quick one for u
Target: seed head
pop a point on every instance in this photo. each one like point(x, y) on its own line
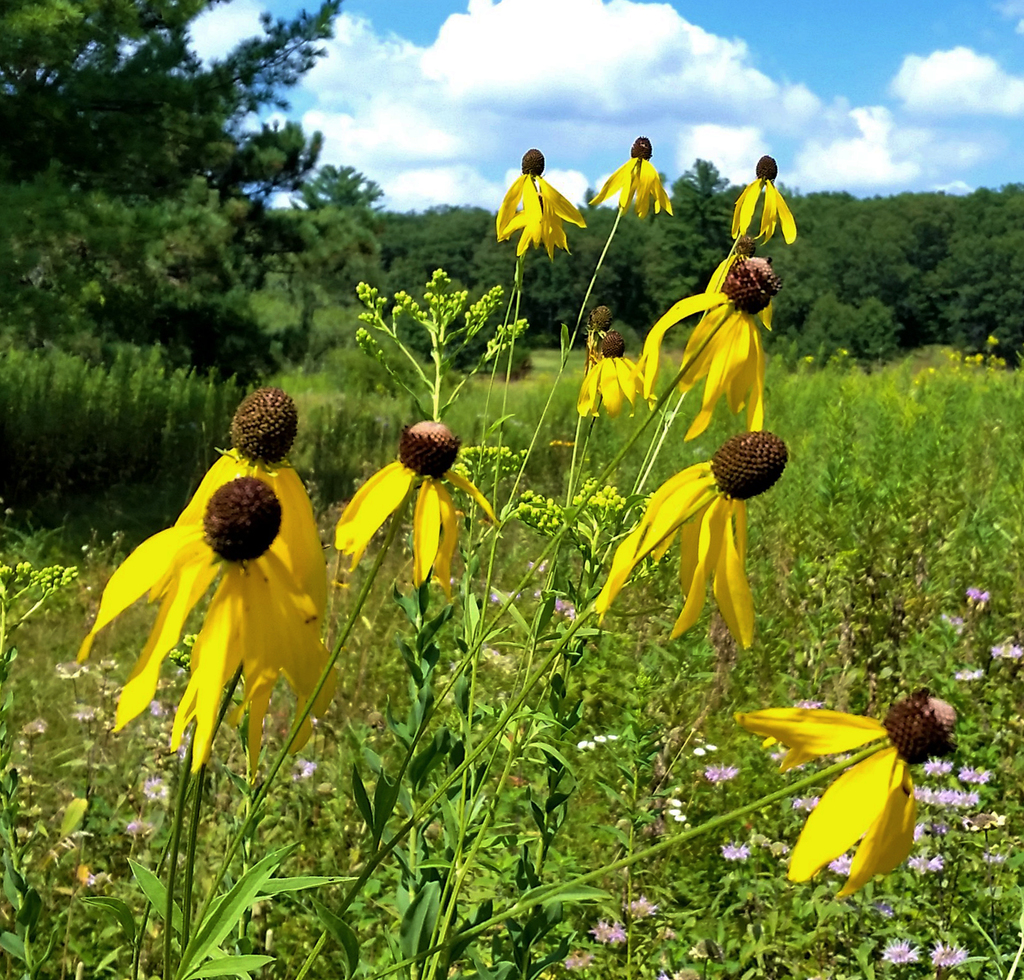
point(642, 148)
point(428, 448)
point(533, 162)
point(264, 425)
point(745, 246)
point(613, 345)
point(767, 168)
point(921, 726)
point(749, 464)
point(751, 284)
point(242, 519)
point(600, 319)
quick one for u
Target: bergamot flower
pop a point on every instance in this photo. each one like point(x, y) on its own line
point(725, 347)
point(872, 802)
point(426, 453)
point(776, 210)
point(611, 379)
point(543, 210)
point(262, 432)
point(706, 506)
point(260, 617)
point(637, 177)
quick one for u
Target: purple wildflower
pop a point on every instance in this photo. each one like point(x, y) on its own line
point(735, 852)
point(974, 775)
point(943, 955)
point(607, 932)
point(155, 789)
point(810, 704)
point(1007, 651)
point(138, 828)
point(900, 951)
point(156, 709)
point(886, 910)
point(991, 857)
point(579, 961)
point(85, 713)
point(304, 768)
point(642, 907)
point(807, 803)
point(977, 595)
point(957, 622)
point(841, 865)
point(567, 609)
point(938, 767)
point(720, 774)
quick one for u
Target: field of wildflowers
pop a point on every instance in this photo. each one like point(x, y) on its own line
point(676, 666)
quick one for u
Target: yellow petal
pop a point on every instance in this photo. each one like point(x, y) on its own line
point(426, 531)
point(786, 220)
point(559, 206)
point(709, 541)
point(138, 573)
point(891, 836)
point(618, 180)
point(812, 731)
point(586, 404)
point(609, 385)
point(373, 503)
point(744, 209)
point(194, 576)
point(648, 365)
point(666, 514)
point(625, 371)
point(468, 488)
point(847, 810)
point(508, 207)
point(623, 563)
point(227, 468)
point(732, 590)
point(298, 542)
point(769, 213)
point(449, 538)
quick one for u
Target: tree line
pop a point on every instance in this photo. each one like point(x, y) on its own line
point(139, 208)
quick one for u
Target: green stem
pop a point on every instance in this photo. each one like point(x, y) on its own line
point(190, 854)
point(172, 872)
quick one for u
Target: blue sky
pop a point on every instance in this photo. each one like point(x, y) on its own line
point(437, 100)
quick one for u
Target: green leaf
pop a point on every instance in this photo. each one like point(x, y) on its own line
point(278, 885)
point(13, 945)
point(230, 966)
point(342, 934)
point(153, 888)
point(418, 922)
point(227, 910)
point(361, 798)
point(118, 909)
point(74, 812)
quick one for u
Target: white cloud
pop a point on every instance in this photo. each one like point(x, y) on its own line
point(874, 155)
point(217, 30)
point(955, 187)
point(577, 78)
point(958, 81)
point(734, 150)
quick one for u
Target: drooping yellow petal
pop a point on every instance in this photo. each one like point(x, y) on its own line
point(508, 207)
point(769, 213)
point(744, 209)
point(623, 563)
point(449, 538)
point(139, 572)
point(891, 836)
point(810, 732)
point(609, 386)
point(621, 180)
point(426, 531)
point(469, 489)
point(227, 468)
point(649, 189)
point(298, 541)
point(625, 372)
point(701, 347)
point(718, 276)
point(196, 571)
point(668, 511)
point(586, 404)
point(708, 546)
point(373, 503)
point(845, 813)
point(786, 219)
point(557, 205)
point(732, 590)
point(648, 364)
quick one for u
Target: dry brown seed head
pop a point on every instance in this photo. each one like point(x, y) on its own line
point(600, 319)
point(642, 148)
point(751, 284)
point(613, 345)
point(921, 726)
point(242, 519)
point(767, 168)
point(264, 425)
point(428, 448)
point(749, 464)
point(533, 162)
point(745, 246)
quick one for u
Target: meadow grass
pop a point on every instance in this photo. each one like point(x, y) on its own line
point(902, 492)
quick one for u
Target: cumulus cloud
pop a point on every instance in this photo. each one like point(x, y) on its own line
point(958, 81)
point(217, 30)
point(735, 150)
point(503, 77)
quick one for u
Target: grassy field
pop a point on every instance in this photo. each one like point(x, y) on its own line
point(903, 492)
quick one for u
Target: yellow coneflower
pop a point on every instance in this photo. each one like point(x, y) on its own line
point(637, 178)
point(776, 210)
point(611, 379)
